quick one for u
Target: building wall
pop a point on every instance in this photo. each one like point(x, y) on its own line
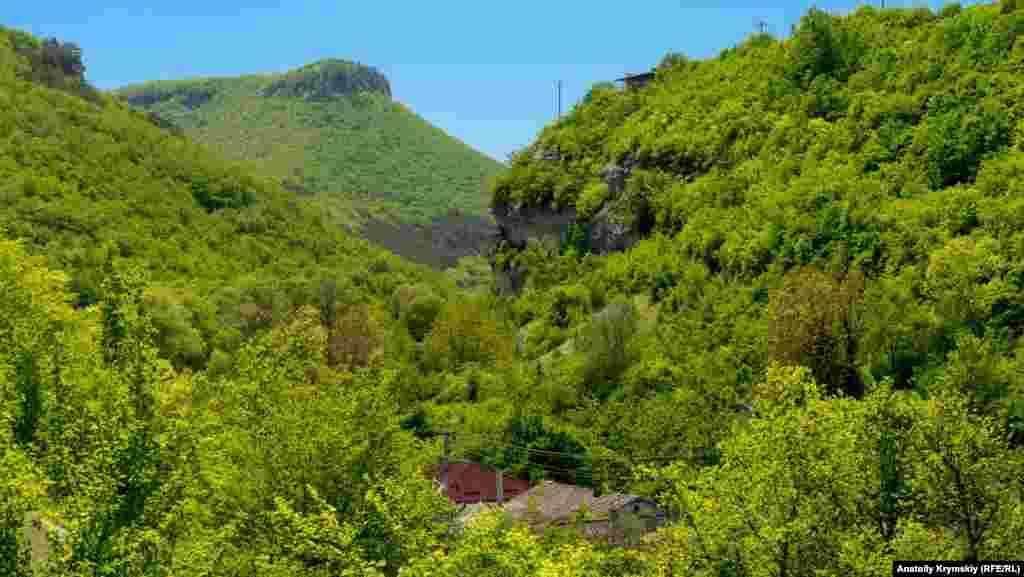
point(646, 511)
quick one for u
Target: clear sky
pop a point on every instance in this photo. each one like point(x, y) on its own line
point(483, 71)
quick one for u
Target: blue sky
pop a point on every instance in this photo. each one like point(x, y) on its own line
point(483, 71)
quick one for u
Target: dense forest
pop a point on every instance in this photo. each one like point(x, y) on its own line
point(784, 302)
point(329, 129)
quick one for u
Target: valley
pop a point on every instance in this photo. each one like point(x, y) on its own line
point(760, 315)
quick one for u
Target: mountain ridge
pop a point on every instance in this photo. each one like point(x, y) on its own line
point(330, 128)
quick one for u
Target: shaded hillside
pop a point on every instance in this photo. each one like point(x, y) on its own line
point(331, 128)
point(439, 244)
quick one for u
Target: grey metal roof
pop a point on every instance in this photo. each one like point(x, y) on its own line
point(639, 76)
point(560, 501)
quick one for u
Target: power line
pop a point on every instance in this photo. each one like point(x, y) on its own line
point(590, 474)
point(577, 456)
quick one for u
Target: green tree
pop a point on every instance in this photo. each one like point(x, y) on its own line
point(815, 321)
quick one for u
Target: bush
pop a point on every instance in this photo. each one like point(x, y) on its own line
point(213, 195)
point(421, 314)
point(568, 305)
point(466, 332)
point(591, 199)
point(959, 137)
point(813, 323)
point(576, 240)
point(673, 60)
point(606, 344)
point(664, 282)
point(597, 89)
point(820, 49)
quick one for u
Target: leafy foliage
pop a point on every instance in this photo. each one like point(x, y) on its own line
point(812, 362)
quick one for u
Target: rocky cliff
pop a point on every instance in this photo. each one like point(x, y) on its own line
point(330, 77)
point(617, 225)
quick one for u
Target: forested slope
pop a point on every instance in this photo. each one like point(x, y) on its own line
point(846, 200)
point(330, 129)
point(212, 344)
point(786, 307)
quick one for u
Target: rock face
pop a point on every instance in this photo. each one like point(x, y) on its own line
point(191, 96)
point(509, 280)
point(620, 223)
point(615, 176)
point(326, 78)
point(517, 224)
point(548, 155)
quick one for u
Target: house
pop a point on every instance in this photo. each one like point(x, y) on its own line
point(636, 81)
point(621, 518)
point(470, 482)
point(550, 503)
point(613, 517)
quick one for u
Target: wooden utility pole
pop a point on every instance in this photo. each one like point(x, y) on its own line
point(501, 486)
point(444, 464)
point(558, 92)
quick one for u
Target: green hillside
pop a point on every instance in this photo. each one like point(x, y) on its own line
point(158, 305)
point(332, 129)
point(90, 182)
point(847, 201)
point(779, 293)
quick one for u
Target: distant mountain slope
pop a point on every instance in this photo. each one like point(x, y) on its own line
point(332, 129)
point(89, 181)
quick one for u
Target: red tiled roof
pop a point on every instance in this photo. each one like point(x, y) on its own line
point(470, 482)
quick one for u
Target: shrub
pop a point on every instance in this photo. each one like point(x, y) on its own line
point(466, 332)
point(673, 60)
point(813, 323)
point(820, 49)
point(591, 199)
point(576, 240)
point(357, 337)
point(213, 195)
point(568, 305)
point(606, 343)
point(959, 137)
point(421, 314)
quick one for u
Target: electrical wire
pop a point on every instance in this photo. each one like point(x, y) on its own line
point(590, 473)
point(584, 456)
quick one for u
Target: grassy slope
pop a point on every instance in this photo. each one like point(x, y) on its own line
point(84, 183)
point(363, 151)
